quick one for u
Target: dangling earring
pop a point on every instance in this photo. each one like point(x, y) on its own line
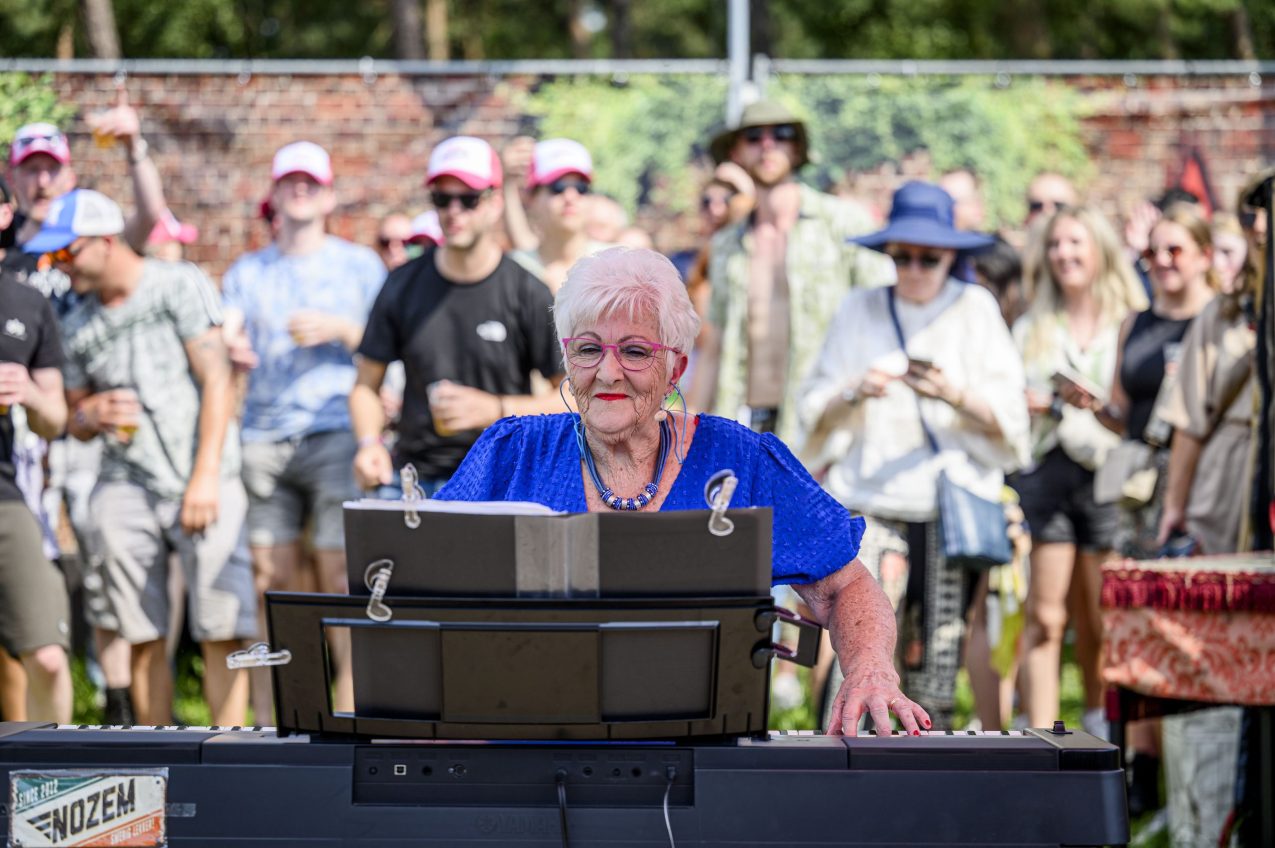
point(661, 414)
point(680, 452)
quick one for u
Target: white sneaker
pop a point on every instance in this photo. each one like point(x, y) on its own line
point(1095, 723)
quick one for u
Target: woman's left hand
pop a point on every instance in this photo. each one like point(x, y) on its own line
point(877, 693)
point(931, 382)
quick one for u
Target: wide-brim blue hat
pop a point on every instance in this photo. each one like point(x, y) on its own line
point(921, 213)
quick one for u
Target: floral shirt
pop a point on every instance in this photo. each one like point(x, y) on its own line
point(821, 267)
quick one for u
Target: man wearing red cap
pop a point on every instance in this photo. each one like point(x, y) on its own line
point(299, 305)
point(469, 324)
point(559, 179)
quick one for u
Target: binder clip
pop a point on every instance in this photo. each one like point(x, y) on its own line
point(718, 491)
point(258, 656)
point(412, 493)
point(377, 579)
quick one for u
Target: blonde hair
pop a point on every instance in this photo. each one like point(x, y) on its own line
point(1116, 288)
point(1191, 218)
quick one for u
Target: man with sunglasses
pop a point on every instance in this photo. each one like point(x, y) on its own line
point(146, 371)
point(776, 277)
point(559, 180)
point(301, 303)
point(1048, 193)
point(469, 324)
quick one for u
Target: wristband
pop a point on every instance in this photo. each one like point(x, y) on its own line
point(139, 151)
point(368, 441)
point(503, 412)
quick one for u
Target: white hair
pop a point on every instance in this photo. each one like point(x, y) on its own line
point(636, 283)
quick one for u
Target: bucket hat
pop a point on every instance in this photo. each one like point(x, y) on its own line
point(763, 113)
point(921, 213)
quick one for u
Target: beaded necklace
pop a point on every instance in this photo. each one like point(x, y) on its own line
point(648, 491)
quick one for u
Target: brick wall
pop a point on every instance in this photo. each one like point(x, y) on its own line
point(213, 137)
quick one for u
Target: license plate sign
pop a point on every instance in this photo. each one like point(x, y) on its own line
point(78, 807)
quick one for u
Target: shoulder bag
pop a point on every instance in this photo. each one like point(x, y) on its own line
point(973, 532)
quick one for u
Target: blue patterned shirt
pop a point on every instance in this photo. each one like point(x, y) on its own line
point(295, 391)
point(535, 458)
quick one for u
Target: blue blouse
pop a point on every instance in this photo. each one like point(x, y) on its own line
point(535, 458)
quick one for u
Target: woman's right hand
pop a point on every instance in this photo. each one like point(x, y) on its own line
point(873, 384)
point(373, 466)
point(1073, 395)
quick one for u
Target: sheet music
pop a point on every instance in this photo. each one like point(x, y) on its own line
point(455, 507)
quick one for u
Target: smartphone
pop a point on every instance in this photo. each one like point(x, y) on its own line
point(919, 366)
point(1078, 381)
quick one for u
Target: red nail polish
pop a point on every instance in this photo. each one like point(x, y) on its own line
point(927, 724)
point(916, 733)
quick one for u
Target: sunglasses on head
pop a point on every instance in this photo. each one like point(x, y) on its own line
point(1153, 253)
point(27, 140)
point(468, 200)
point(906, 259)
point(778, 132)
point(561, 184)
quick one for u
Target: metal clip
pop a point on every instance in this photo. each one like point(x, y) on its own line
point(412, 492)
point(377, 579)
point(258, 656)
point(718, 491)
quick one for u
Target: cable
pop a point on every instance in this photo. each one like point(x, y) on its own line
point(561, 779)
point(671, 774)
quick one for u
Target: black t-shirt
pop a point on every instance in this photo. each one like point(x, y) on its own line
point(1142, 367)
point(29, 336)
point(489, 335)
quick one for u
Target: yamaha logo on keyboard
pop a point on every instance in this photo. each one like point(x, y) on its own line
point(77, 807)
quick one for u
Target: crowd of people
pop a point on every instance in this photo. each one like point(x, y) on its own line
point(198, 438)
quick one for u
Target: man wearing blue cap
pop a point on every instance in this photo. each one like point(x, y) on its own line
point(147, 369)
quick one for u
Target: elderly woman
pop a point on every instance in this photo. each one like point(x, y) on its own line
point(625, 322)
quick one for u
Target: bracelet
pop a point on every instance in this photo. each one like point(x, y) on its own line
point(368, 441)
point(140, 150)
point(500, 399)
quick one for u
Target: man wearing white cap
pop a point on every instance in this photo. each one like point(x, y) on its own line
point(147, 370)
point(300, 304)
point(469, 324)
point(559, 179)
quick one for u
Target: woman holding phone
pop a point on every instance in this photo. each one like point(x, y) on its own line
point(930, 353)
point(1080, 288)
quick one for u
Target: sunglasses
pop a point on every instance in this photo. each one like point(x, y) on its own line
point(635, 355)
point(1248, 216)
point(65, 255)
point(1043, 205)
point(708, 200)
point(778, 132)
point(558, 186)
point(906, 259)
point(1151, 254)
point(385, 241)
point(468, 200)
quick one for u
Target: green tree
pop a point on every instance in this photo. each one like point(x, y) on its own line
point(24, 99)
